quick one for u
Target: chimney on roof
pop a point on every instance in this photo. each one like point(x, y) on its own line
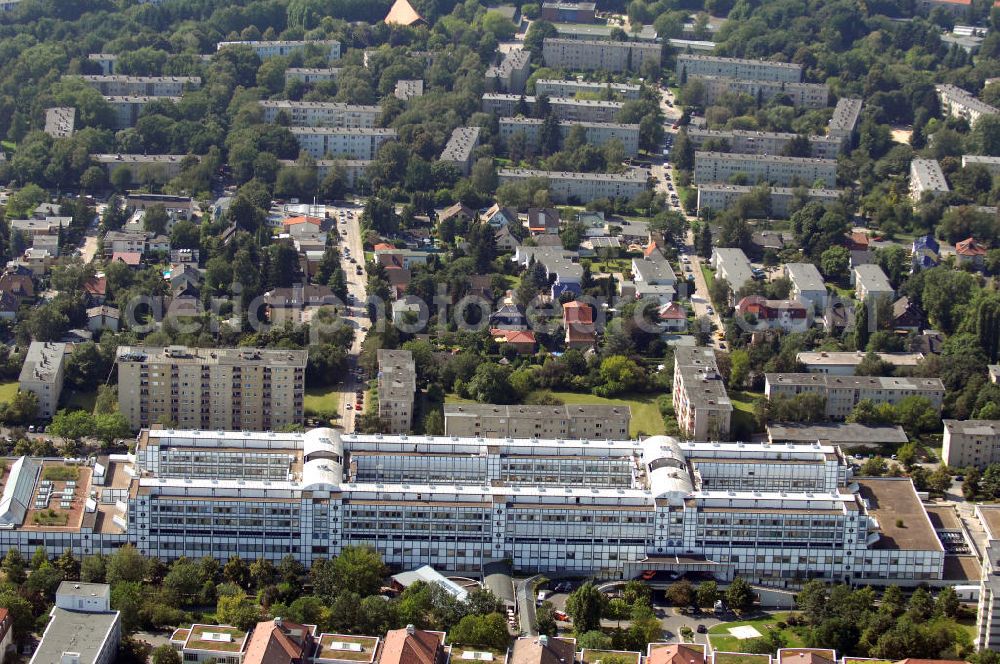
point(543, 639)
point(410, 629)
point(277, 621)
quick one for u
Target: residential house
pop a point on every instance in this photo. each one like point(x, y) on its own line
point(733, 266)
point(18, 283)
point(906, 315)
point(302, 225)
point(578, 321)
point(399, 280)
point(131, 258)
point(407, 309)
point(807, 285)
point(785, 315)
point(654, 277)
point(390, 257)
point(297, 304)
point(459, 213)
point(509, 317)
point(543, 221)
point(280, 641)
point(522, 341)
point(925, 251)
point(414, 646)
point(672, 318)
point(497, 216)
point(103, 318)
point(970, 252)
point(505, 240)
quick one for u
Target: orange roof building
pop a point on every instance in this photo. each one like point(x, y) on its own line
point(295, 221)
point(578, 320)
point(970, 248)
point(279, 642)
point(403, 13)
point(675, 653)
point(413, 646)
point(523, 341)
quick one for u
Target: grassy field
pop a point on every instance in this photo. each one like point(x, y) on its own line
point(721, 639)
point(709, 275)
point(743, 408)
point(7, 391)
point(646, 418)
point(740, 658)
point(322, 400)
point(76, 400)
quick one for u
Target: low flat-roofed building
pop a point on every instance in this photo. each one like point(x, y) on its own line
point(591, 55)
point(597, 133)
point(82, 629)
point(200, 643)
point(591, 422)
point(991, 164)
point(60, 121)
point(565, 187)
point(842, 393)
point(926, 177)
point(774, 169)
point(692, 65)
point(569, 12)
point(703, 408)
point(718, 196)
point(511, 74)
point(42, 374)
point(844, 363)
point(460, 148)
point(346, 649)
point(838, 434)
point(560, 88)
point(971, 443)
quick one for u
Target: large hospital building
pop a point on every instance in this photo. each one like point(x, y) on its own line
point(607, 507)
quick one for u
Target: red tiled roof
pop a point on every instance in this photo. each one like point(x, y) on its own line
point(419, 647)
point(676, 653)
point(127, 257)
point(969, 247)
point(383, 246)
point(672, 311)
point(292, 221)
point(271, 643)
point(650, 248)
point(577, 312)
point(96, 286)
point(514, 336)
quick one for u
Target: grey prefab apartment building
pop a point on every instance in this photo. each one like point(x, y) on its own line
point(802, 95)
point(713, 196)
point(780, 171)
point(588, 422)
point(762, 142)
point(760, 70)
point(564, 108)
point(557, 88)
point(566, 187)
point(597, 133)
point(595, 55)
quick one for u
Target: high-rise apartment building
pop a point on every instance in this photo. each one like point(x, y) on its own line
point(397, 386)
point(250, 389)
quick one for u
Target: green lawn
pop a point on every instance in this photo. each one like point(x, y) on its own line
point(76, 400)
point(646, 419)
point(741, 658)
point(721, 639)
point(324, 400)
point(7, 391)
point(743, 409)
point(709, 275)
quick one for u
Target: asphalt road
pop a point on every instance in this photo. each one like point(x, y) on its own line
point(349, 227)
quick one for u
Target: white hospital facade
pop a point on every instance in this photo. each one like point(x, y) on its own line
point(611, 507)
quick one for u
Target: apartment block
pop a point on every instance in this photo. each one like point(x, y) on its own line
point(842, 393)
point(991, 164)
point(460, 148)
point(781, 171)
point(564, 108)
point(808, 286)
point(597, 133)
point(870, 282)
point(760, 142)
point(802, 95)
point(147, 86)
point(251, 389)
point(358, 143)
point(353, 169)
point(128, 109)
point(82, 629)
point(582, 188)
point(959, 103)
point(700, 401)
point(926, 176)
point(397, 387)
point(408, 89)
point(321, 113)
point(587, 422)
point(60, 121)
point(720, 196)
point(971, 443)
point(511, 74)
point(108, 62)
point(604, 32)
point(614, 508)
point(733, 266)
point(273, 49)
point(691, 65)
point(162, 166)
point(556, 88)
point(311, 75)
point(42, 374)
point(595, 55)
point(844, 120)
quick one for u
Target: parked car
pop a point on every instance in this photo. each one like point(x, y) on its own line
point(701, 629)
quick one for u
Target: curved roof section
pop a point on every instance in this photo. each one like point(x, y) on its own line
point(17, 491)
point(666, 467)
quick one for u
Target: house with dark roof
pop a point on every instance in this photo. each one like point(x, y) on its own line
point(906, 315)
point(925, 251)
point(497, 216)
point(459, 212)
point(786, 315)
point(543, 221)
